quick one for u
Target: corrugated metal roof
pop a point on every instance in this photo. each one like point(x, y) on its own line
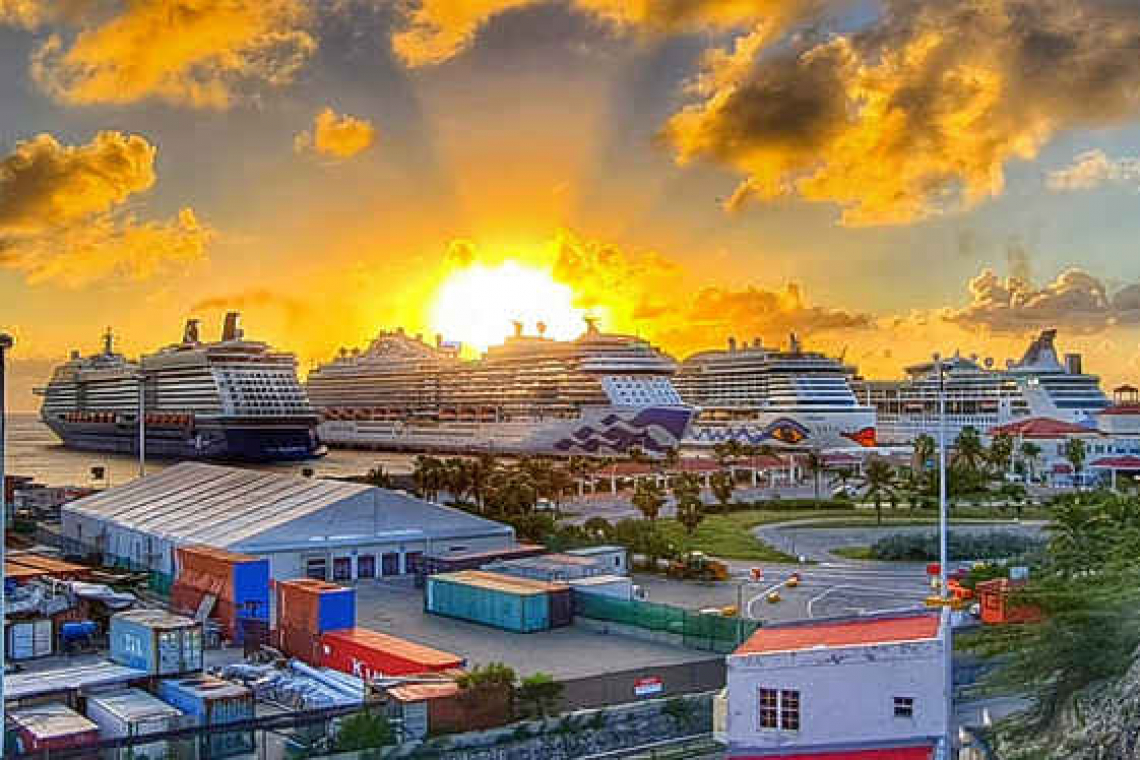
point(853, 632)
point(134, 704)
point(21, 685)
point(253, 510)
point(51, 720)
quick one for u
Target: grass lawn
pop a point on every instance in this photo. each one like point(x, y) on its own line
point(853, 552)
point(730, 536)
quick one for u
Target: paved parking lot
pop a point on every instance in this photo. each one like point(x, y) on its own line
point(565, 653)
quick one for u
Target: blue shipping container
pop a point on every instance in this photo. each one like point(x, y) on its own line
point(500, 603)
point(337, 610)
point(213, 702)
point(157, 642)
point(251, 589)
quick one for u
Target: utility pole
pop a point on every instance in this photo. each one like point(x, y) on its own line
point(142, 424)
point(944, 560)
point(6, 343)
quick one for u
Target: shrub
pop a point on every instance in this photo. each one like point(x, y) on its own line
point(924, 547)
point(364, 731)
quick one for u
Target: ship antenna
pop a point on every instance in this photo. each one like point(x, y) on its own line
point(108, 342)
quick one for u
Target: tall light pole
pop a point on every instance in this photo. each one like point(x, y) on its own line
point(5, 344)
point(944, 560)
point(142, 423)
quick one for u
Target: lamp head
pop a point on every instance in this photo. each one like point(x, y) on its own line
point(6, 341)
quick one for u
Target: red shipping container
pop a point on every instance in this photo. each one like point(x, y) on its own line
point(300, 644)
point(52, 726)
point(368, 654)
point(996, 609)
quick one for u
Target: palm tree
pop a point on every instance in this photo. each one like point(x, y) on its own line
point(690, 508)
point(969, 452)
point(648, 498)
point(723, 485)
point(1031, 451)
point(428, 477)
point(878, 482)
point(481, 471)
point(815, 466)
point(841, 479)
point(379, 477)
point(457, 478)
point(924, 449)
point(1076, 452)
point(1001, 451)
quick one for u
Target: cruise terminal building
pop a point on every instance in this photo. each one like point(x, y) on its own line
point(305, 527)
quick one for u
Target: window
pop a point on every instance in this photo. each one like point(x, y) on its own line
point(904, 707)
point(780, 709)
point(342, 569)
point(316, 568)
point(790, 710)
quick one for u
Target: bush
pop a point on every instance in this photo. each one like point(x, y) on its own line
point(364, 731)
point(792, 505)
point(907, 547)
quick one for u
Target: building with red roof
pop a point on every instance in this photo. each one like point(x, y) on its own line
point(862, 688)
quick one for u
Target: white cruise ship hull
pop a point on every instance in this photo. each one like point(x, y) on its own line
point(802, 430)
point(600, 431)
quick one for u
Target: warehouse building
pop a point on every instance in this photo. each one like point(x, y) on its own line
point(324, 529)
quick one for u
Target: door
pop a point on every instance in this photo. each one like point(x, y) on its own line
point(342, 568)
point(390, 564)
point(366, 566)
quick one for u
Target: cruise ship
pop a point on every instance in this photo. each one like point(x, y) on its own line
point(235, 399)
point(980, 396)
point(600, 394)
point(788, 398)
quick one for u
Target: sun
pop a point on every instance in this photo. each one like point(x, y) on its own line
point(478, 305)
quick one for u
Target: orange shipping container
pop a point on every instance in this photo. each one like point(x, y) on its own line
point(315, 606)
point(369, 654)
point(996, 609)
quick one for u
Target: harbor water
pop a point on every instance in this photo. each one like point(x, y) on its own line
point(33, 450)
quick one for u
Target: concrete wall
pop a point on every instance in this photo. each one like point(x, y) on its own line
point(846, 695)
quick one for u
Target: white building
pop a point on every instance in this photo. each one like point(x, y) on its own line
point(305, 527)
point(869, 688)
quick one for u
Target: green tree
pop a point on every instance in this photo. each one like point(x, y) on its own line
point(723, 485)
point(1031, 452)
point(1001, 452)
point(815, 466)
point(878, 483)
point(538, 695)
point(428, 477)
point(1076, 452)
point(378, 477)
point(648, 498)
point(969, 452)
point(364, 730)
point(482, 471)
point(923, 454)
point(599, 528)
point(690, 508)
point(457, 478)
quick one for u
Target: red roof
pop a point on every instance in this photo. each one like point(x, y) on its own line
point(1118, 463)
point(894, 753)
point(841, 633)
point(1122, 409)
point(1041, 427)
point(1061, 468)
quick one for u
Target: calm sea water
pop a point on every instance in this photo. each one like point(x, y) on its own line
point(34, 450)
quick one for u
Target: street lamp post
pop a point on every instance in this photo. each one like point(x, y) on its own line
point(5, 344)
point(142, 424)
point(944, 560)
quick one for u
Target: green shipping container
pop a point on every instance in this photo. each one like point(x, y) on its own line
point(491, 600)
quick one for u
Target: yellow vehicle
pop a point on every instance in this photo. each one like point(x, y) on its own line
point(698, 566)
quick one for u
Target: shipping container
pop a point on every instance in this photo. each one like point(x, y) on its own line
point(301, 644)
point(134, 712)
point(157, 642)
point(559, 595)
point(996, 607)
point(213, 702)
point(551, 568)
point(368, 654)
point(613, 559)
point(29, 639)
point(239, 584)
point(315, 606)
point(617, 586)
point(504, 602)
point(452, 563)
point(51, 726)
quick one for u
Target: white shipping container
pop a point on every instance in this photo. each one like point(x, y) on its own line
point(133, 712)
point(30, 639)
point(618, 586)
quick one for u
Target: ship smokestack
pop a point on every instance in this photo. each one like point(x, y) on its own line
point(190, 334)
point(232, 329)
point(731, 343)
point(439, 340)
point(1073, 364)
point(74, 354)
point(757, 343)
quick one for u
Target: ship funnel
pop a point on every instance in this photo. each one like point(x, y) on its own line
point(541, 326)
point(731, 343)
point(190, 334)
point(74, 354)
point(757, 343)
point(232, 329)
point(1073, 364)
point(794, 344)
point(439, 340)
point(518, 328)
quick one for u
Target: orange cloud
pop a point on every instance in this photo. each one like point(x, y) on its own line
point(336, 136)
point(62, 218)
point(32, 14)
point(200, 53)
point(437, 30)
point(919, 112)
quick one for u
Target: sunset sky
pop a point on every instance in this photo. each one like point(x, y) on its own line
point(886, 178)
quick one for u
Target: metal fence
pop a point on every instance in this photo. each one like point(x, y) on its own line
point(707, 633)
